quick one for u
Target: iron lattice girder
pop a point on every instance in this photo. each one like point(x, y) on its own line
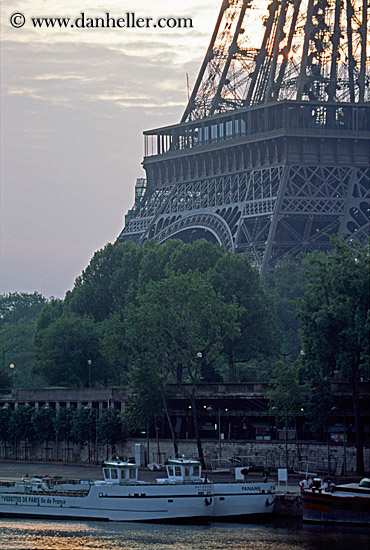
point(264, 51)
point(331, 200)
point(272, 153)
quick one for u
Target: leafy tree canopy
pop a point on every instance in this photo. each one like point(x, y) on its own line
point(286, 394)
point(20, 423)
point(20, 305)
point(18, 317)
point(43, 421)
point(109, 427)
point(64, 348)
point(335, 323)
point(235, 279)
point(286, 283)
point(178, 318)
point(116, 280)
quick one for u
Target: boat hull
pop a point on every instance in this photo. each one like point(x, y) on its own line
point(135, 503)
point(239, 500)
point(326, 507)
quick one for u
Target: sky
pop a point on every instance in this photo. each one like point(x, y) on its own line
point(74, 105)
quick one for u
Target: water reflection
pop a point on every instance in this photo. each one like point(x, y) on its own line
point(64, 535)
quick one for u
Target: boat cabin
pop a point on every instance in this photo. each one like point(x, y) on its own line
point(180, 470)
point(118, 470)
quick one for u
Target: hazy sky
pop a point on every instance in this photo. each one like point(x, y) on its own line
point(74, 105)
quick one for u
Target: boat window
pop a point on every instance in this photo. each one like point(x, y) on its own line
point(177, 471)
point(106, 472)
point(114, 474)
point(187, 471)
point(132, 473)
point(123, 474)
point(170, 470)
point(196, 471)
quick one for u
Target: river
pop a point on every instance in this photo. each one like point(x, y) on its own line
point(21, 534)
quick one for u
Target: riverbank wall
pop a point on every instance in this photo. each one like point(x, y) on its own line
point(314, 457)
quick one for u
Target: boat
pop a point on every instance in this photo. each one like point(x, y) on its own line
point(184, 495)
point(325, 502)
point(242, 500)
point(119, 497)
point(231, 499)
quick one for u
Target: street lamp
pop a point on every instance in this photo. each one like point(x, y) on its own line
point(96, 436)
point(89, 362)
point(211, 408)
point(12, 366)
point(334, 410)
point(286, 437)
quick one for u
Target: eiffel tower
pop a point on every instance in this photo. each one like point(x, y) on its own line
point(272, 154)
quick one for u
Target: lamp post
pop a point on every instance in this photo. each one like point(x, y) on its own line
point(96, 436)
point(211, 408)
point(335, 409)
point(286, 436)
point(89, 363)
point(12, 366)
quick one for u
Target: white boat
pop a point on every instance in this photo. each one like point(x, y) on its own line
point(120, 497)
point(183, 495)
point(232, 499)
point(242, 499)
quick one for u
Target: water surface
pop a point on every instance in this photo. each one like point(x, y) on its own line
point(17, 534)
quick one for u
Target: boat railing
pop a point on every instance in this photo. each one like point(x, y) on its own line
point(222, 465)
point(308, 467)
point(229, 464)
point(305, 468)
point(251, 462)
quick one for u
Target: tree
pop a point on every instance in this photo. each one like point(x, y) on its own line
point(20, 305)
point(109, 428)
point(335, 323)
point(92, 318)
point(237, 281)
point(5, 380)
point(113, 347)
point(17, 343)
point(43, 424)
point(147, 401)
point(83, 427)
point(63, 349)
point(18, 316)
point(63, 423)
point(285, 394)
point(21, 425)
point(5, 416)
point(184, 323)
point(108, 283)
point(286, 284)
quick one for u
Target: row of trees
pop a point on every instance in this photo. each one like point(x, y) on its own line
point(150, 315)
point(197, 298)
point(334, 319)
point(116, 276)
point(43, 425)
